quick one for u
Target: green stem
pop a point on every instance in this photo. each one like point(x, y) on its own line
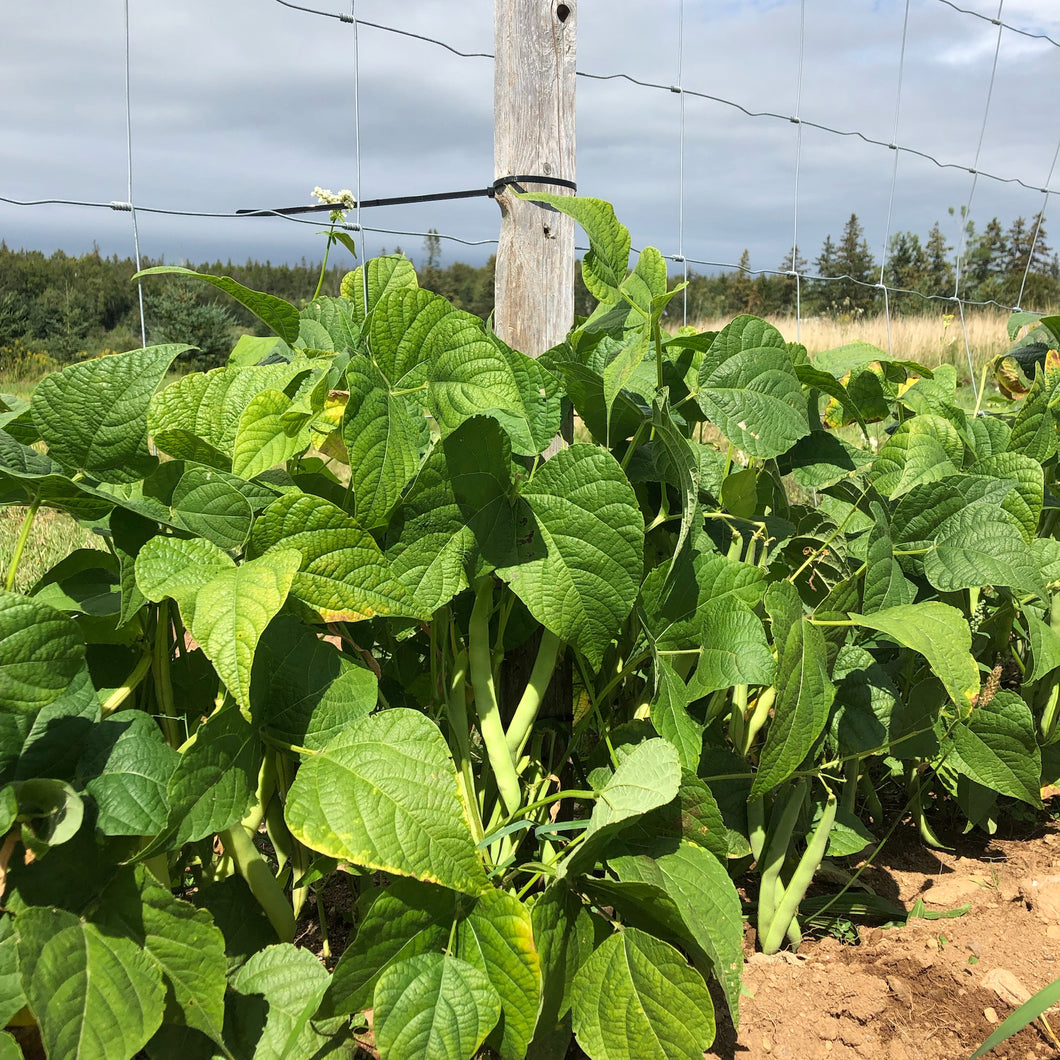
point(20, 544)
point(633, 445)
point(795, 890)
point(163, 683)
point(530, 702)
point(324, 266)
point(489, 714)
point(263, 885)
point(852, 775)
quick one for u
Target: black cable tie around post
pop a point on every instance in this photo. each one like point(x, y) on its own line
point(409, 200)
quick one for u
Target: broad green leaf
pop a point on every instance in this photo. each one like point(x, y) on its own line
point(93, 415)
point(604, 265)
point(178, 567)
point(648, 777)
point(254, 349)
point(563, 932)
point(94, 996)
point(28, 476)
point(996, 747)
point(180, 940)
point(624, 361)
point(981, 545)
point(230, 612)
point(585, 389)
point(705, 898)
point(405, 336)
point(923, 449)
point(383, 795)
point(676, 462)
point(41, 652)
point(1045, 647)
point(804, 696)
point(208, 505)
point(1024, 502)
point(407, 918)
point(291, 981)
point(921, 513)
point(11, 997)
point(126, 768)
point(939, 633)
point(669, 715)
point(710, 582)
point(866, 698)
point(755, 400)
point(374, 279)
point(497, 937)
point(456, 523)
point(266, 435)
point(213, 784)
point(383, 432)
point(49, 743)
point(433, 1007)
point(197, 417)
point(636, 998)
point(343, 575)
point(734, 652)
point(885, 584)
point(52, 813)
point(303, 689)
point(475, 374)
point(821, 459)
point(581, 554)
point(275, 313)
point(1034, 432)
point(337, 317)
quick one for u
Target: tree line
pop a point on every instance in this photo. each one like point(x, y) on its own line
point(66, 306)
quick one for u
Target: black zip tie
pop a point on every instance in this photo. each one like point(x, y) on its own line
point(407, 200)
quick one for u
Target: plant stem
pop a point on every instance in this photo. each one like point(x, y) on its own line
point(530, 702)
point(324, 264)
point(489, 714)
point(160, 673)
point(456, 712)
point(20, 544)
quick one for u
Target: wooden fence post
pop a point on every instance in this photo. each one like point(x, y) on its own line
point(533, 102)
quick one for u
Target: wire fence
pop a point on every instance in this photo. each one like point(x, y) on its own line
point(724, 153)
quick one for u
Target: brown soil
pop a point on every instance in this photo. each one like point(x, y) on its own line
point(929, 990)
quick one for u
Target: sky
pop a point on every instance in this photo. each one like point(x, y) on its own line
point(240, 104)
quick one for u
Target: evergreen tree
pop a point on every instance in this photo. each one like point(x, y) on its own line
point(743, 295)
point(938, 276)
point(854, 292)
point(905, 270)
point(984, 264)
point(785, 294)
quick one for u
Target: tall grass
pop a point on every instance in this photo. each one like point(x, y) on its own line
point(930, 339)
point(52, 537)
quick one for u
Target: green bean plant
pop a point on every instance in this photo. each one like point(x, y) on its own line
point(357, 654)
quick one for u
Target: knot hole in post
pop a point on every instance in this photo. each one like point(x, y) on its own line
point(562, 12)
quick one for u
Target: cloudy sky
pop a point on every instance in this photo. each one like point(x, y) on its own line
point(248, 103)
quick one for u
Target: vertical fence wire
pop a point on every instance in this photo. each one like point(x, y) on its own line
point(1037, 227)
point(884, 249)
point(357, 146)
point(129, 153)
point(966, 213)
point(681, 161)
point(797, 120)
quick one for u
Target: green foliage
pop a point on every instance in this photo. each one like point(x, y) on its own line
point(535, 714)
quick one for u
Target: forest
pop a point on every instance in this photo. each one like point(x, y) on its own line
point(60, 307)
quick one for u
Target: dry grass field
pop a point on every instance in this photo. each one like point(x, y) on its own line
point(930, 339)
